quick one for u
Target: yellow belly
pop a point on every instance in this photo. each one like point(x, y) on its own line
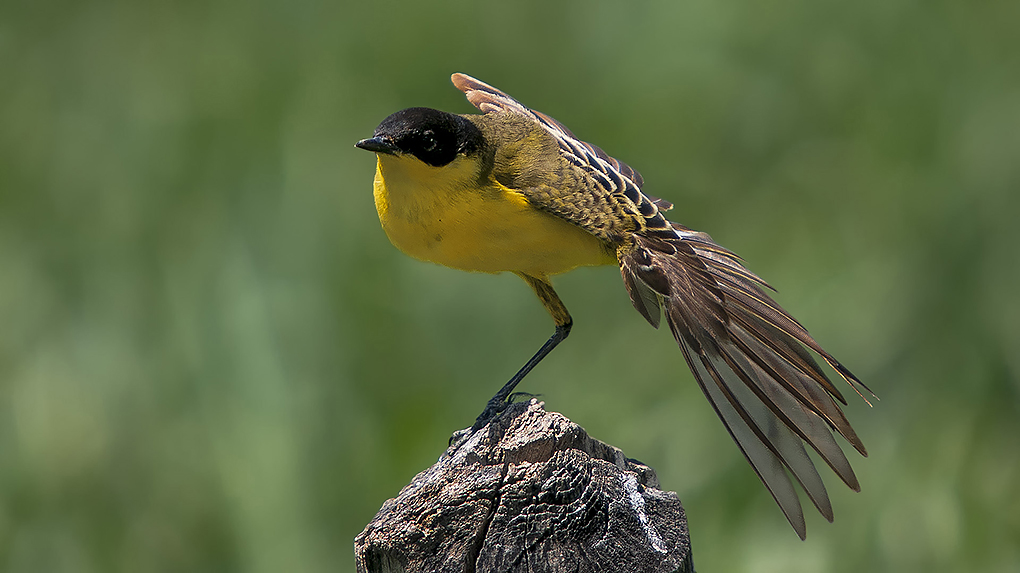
point(428, 215)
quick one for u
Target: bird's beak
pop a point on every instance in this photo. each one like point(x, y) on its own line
point(378, 145)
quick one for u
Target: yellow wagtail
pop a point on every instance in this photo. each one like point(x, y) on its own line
point(514, 190)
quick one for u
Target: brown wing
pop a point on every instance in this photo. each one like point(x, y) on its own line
point(749, 358)
point(610, 173)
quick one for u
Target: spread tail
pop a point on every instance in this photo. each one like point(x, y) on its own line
point(749, 357)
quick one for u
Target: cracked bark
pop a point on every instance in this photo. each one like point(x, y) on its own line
point(529, 492)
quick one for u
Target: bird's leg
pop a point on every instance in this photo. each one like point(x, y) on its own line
point(561, 317)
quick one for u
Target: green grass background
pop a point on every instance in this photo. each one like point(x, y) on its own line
point(212, 359)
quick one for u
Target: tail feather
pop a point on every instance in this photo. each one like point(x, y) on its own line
point(749, 358)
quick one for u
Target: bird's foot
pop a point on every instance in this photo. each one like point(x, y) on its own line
point(493, 408)
point(518, 395)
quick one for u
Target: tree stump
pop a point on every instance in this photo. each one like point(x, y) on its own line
point(532, 492)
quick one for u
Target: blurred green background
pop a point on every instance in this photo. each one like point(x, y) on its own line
point(212, 359)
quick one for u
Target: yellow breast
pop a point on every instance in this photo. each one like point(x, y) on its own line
point(442, 215)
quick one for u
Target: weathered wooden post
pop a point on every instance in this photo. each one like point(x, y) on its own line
point(529, 492)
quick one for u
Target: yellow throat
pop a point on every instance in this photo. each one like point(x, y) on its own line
point(446, 215)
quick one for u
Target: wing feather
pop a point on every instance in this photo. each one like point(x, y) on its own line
point(749, 358)
point(613, 175)
point(764, 461)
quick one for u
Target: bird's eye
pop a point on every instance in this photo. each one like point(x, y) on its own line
point(428, 141)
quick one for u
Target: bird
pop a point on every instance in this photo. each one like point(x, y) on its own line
point(513, 190)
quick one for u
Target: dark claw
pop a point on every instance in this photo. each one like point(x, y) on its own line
point(459, 436)
point(492, 409)
point(517, 395)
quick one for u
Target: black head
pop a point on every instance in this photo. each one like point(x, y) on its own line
point(433, 136)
